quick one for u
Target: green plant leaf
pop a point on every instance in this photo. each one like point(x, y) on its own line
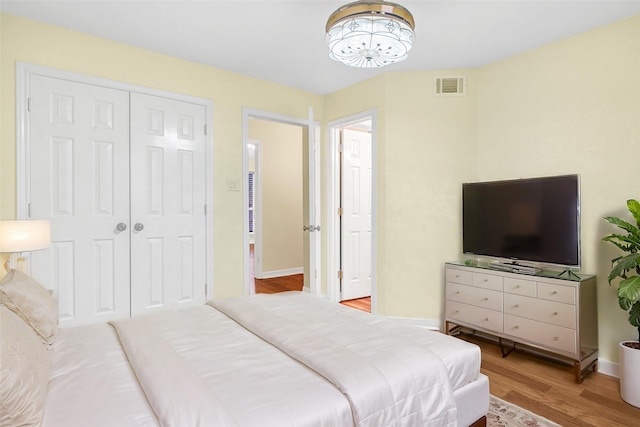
point(618, 240)
point(629, 289)
point(634, 315)
point(634, 232)
point(634, 208)
point(623, 264)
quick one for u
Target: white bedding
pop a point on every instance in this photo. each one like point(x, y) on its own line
point(212, 371)
point(91, 382)
point(389, 379)
point(255, 383)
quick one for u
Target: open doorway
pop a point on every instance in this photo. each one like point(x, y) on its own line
point(285, 200)
point(275, 206)
point(351, 213)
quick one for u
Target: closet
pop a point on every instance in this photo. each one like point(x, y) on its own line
point(122, 177)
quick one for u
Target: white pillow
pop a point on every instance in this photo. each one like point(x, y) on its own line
point(24, 372)
point(31, 301)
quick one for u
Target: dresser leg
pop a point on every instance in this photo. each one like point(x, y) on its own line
point(505, 354)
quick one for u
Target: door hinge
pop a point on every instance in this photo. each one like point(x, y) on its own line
point(205, 210)
point(205, 129)
point(29, 210)
point(340, 147)
point(206, 288)
point(340, 274)
point(29, 104)
point(340, 211)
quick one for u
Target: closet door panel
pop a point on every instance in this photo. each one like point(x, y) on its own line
point(167, 203)
point(79, 180)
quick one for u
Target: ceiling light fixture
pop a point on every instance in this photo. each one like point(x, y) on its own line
point(370, 33)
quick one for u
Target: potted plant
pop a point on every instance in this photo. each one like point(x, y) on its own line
point(627, 268)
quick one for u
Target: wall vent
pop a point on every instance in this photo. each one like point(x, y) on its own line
point(446, 86)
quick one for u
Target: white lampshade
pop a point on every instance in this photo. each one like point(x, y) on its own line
point(24, 235)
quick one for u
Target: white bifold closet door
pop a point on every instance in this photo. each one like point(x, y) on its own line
point(121, 178)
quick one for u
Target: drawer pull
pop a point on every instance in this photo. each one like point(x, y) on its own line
point(486, 280)
point(486, 319)
point(457, 311)
point(485, 299)
point(554, 292)
point(457, 292)
point(517, 306)
point(457, 275)
point(517, 286)
point(555, 313)
point(556, 338)
point(516, 327)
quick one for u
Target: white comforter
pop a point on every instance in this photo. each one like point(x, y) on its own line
point(389, 378)
point(315, 365)
point(200, 368)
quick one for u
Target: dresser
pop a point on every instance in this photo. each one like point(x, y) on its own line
point(549, 313)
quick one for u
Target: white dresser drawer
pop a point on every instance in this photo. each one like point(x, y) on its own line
point(544, 311)
point(459, 276)
point(477, 316)
point(520, 286)
point(550, 336)
point(559, 293)
point(487, 281)
point(480, 297)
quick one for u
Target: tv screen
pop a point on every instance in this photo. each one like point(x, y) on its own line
point(536, 219)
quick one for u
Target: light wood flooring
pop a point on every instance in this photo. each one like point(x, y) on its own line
point(542, 386)
point(294, 283)
point(548, 388)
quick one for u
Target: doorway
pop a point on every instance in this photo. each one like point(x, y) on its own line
point(280, 198)
point(351, 208)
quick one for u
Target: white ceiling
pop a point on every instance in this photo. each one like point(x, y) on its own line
point(283, 41)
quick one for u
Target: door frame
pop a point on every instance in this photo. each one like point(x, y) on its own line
point(314, 187)
point(257, 208)
point(25, 70)
point(333, 202)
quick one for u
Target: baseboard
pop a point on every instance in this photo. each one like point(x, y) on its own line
point(281, 273)
point(607, 367)
point(431, 324)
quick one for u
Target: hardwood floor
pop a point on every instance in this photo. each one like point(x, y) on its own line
point(548, 388)
point(295, 283)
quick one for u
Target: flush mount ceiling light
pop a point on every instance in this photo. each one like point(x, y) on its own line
point(370, 33)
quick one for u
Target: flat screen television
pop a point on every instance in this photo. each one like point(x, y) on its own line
point(532, 220)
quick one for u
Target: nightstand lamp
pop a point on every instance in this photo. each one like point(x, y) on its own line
point(18, 236)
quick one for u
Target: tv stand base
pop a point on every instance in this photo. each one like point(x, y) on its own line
point(514, 267)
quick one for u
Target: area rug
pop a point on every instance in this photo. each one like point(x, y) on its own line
point(505, 414)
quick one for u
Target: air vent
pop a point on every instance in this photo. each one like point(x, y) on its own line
point(450, 86)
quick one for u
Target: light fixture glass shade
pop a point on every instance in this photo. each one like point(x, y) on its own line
point(24, 235)
point(369, 34)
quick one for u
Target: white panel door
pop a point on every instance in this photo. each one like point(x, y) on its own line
point(79, 180)
point(168, 258)
point(356, 216)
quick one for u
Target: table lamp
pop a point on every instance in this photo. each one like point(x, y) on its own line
point(18, 236)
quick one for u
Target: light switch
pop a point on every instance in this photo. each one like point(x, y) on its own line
point(233, 185)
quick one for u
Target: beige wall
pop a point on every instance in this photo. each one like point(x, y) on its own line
point(42, 44)
point(572, 107)
point(282, 190)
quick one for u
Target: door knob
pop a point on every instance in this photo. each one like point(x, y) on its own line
point(121, 227)
point(138, 227)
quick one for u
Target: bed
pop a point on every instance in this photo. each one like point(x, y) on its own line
point(289, 359)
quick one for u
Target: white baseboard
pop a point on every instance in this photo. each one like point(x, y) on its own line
point(607, 367)
point(281, 273)
point(432, 324)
